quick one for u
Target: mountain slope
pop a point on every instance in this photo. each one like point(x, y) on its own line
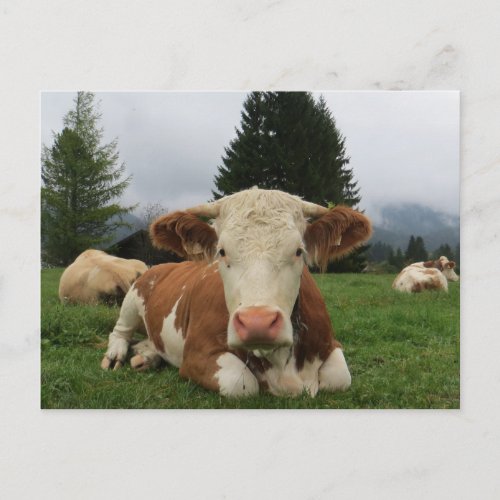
point(394, 224)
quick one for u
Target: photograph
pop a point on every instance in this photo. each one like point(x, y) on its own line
point(250, 250)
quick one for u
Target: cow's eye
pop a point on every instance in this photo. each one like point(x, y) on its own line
point(222, 252)
point(299, 252)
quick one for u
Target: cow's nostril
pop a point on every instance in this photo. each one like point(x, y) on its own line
point(237, 322)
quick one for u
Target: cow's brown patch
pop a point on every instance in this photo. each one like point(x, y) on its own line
point(417, 287)
point(432, 283)
point(436, 283)
point(164, 285)
point(436, 264)
point(201, 314)
point(315, 333)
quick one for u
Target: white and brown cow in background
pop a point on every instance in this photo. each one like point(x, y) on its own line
point(96, 277)
point(248, 314)
point(429, 275)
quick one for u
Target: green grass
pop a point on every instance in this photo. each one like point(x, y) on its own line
point(403, 351)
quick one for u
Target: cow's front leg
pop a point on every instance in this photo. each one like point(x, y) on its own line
point(223, 372)
point(334, 374)
point(234, 377)
point(119, 339)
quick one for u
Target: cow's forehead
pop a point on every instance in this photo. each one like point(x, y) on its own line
point(261, 211)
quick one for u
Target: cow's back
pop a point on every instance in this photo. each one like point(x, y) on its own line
point(96, 277)
point(416, 278)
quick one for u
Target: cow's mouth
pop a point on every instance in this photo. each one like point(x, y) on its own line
point(264, 351)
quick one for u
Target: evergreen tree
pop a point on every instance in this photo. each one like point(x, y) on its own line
point(410, 250)
point(380, 252)
point(80, 181)
point(420, 251)
point(416, 251)
point(398, 259)
point(290, 142)
point(390, 256)
point(287, 141)
point(444, 249)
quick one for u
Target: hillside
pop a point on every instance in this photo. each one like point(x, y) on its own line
point(394, 224)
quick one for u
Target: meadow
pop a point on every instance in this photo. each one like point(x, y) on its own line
point(403, 351)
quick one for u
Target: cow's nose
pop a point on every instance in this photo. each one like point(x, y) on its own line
point(258, 324)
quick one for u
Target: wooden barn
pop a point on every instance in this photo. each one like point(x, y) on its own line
point(138, 246)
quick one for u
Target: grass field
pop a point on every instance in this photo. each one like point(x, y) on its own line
point(403, 352)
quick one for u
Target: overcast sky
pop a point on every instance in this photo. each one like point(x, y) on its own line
point(404, 146)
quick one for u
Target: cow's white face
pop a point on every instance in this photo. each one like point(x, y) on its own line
point(260, 266)
point(448, 269)
point(261, 239)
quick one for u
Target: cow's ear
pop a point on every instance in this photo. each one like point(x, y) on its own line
point(335, 234)
point(451, 264)
point(185, 234)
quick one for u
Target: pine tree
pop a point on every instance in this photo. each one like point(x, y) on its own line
point(416, 251)
point(397, 260)
point(421, 253)
point(380, 252)
point(444, 249)
point(80, 183)
point(290, 142)
point(287, 141)
point(410, 250)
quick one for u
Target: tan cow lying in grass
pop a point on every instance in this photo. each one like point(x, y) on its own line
point(248, 315)
point(96, 277)
point(430, 275)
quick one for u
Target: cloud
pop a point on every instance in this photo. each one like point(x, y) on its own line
point(404, 146)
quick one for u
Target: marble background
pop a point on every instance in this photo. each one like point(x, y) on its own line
point(242, 45)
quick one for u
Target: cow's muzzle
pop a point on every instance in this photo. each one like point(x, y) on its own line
point(259, 326)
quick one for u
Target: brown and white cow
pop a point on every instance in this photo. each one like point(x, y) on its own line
point(96, 277)
point(429, 275)
point(246, 313)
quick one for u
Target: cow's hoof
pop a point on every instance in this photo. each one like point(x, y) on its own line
point(137, 362)
point(107, 363)
point(116, 353)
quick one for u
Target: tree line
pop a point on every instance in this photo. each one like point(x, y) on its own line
point(380, 252)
